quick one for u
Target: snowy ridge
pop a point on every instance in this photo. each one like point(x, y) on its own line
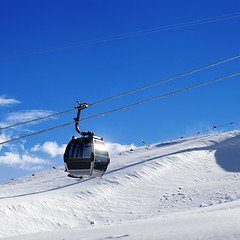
point(182, 179)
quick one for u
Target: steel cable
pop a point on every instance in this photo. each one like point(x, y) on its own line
point(132, 105)
point(136, 90)
point(123, 36)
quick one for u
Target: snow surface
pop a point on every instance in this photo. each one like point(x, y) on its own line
point(188, 189)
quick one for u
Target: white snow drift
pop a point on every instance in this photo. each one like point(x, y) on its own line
point(188, 189)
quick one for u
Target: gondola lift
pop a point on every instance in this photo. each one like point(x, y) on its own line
point(85, 156)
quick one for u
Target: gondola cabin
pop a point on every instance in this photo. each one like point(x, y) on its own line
point(86, 156)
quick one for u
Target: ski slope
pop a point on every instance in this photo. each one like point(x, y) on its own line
point(188, 189)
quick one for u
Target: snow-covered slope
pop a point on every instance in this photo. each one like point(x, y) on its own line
point(188, 189)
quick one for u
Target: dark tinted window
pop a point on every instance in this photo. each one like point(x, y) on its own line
point(86, 152)
point(101, 163)
point(100, 148)
point(78, 150)
point(101, 156)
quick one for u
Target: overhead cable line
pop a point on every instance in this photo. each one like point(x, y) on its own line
point(164, 81)
point(123, 36)
point(37, 119)
point(136, 90)
point(119, 109)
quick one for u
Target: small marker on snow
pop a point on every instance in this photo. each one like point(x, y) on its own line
point(146, 147)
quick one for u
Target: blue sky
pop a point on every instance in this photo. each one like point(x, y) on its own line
point(37, 83)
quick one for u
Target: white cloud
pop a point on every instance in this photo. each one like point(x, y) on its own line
point(23, 116)
point(116, 147)
point(51, 148)
point(16, 117)
point(24, 161)
point(4, 137)
point(17, 157)
point(7, 101)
